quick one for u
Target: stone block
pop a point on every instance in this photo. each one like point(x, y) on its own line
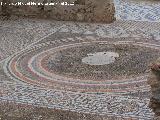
point(100, 10)
point(81, 10)
point(154, 82)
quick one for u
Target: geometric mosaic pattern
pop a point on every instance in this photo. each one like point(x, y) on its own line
point(13, 37)
point(118, 106)
point(112, 103)
point(139, 11)
point(38, 87)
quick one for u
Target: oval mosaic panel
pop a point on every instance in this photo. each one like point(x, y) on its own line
point(60, 65)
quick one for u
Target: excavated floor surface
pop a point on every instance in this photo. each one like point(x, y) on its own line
point(43, 75)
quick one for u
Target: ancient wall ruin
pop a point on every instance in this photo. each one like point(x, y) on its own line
point(154, 82)
point(75, 10)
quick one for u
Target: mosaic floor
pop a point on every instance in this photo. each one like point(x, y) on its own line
point(54, 64)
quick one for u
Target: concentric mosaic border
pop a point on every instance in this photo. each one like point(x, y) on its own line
point(102, 104)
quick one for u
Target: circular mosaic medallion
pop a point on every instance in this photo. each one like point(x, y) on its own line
point(84, 66)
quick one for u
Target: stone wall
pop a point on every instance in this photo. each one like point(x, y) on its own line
point(82, 10)
point(154, 82)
